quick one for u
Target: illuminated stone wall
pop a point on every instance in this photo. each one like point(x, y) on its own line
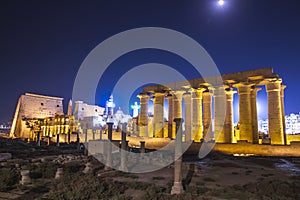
point(83, 110)
point(33, 106)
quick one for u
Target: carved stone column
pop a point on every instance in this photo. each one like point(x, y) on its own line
point(197, 124)
point(177, 109)
point(229, 124)
point(275, 112)
point(177, 185)
point(188, 116)
point(109, 161)
point(246, 130)
point(282, 112)
point(170, 115)
point(254, 114)
point(219, 113)
point(207, 115)
point(158, 115)
point(143, 116)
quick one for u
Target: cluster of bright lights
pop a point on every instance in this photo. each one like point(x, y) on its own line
point(221, 2)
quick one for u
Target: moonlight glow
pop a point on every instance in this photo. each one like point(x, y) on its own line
point(221, 2)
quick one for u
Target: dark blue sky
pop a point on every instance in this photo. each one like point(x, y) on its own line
point(43, 43)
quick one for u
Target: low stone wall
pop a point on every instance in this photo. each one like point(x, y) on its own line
point(255, 149)
point(292, 138)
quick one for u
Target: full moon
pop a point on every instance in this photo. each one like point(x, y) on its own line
point(221, 2)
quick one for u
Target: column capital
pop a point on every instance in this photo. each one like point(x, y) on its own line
point(143, 95)
point(229, 94)
point(243, 88)
point(178, 94)
point(273, 85)
point(159, 93)
point(197, 92)
point(186, 94)
point(282, 90)
point(255, 89)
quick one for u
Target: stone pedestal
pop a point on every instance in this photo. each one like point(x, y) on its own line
point(276, 133)
point(25, 177)
point(197, 124)
point(158, 115)
point(88, 168)
point(143, 116)
point(188, 116)
point(59, 173)
point(246, 127)
point(207, 127)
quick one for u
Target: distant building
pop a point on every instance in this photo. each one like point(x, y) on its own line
point(109, 106)
point(83, 110)
point(292, 124)
point(33, 106)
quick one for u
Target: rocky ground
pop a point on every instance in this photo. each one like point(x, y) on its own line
point(216, 176)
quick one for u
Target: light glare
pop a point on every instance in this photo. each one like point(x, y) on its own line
point(221, 2)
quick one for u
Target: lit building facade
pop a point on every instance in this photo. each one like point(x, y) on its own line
point(292, 123)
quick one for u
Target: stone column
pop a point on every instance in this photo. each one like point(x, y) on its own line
point(101, 132)
point(69, 136)
point(158, 115)
point(39, 138)
point(86, 135)
point(188, 116)
point(246, 131)
point(177, 186)
point(219, 113)
point(275, 112)
point(170, 115)
point(177, 109)
point(254, 114)
point(143, 116)
point(197, 124)
point(142, 147)
point(123, 165)
point(282, 112)
point(229, 124)
point(207, 127)
point(57, 139)
point(109, 147)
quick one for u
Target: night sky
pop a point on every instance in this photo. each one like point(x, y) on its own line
point(43, 43)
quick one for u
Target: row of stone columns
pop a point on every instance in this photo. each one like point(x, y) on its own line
point(198, 100)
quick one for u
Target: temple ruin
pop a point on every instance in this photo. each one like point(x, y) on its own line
point(202, 101)
point(33, 106)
